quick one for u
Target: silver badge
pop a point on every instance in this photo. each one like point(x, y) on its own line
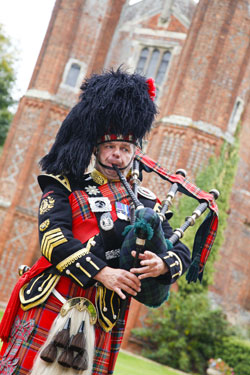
point(106, 222)
point(112, 254)
point(146, 193)
point(101, 204)
point(92, 190)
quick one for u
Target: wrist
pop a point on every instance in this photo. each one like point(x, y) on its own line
point(102, 274)
point(165, 268)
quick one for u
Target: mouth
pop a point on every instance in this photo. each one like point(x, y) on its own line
point(115, 164)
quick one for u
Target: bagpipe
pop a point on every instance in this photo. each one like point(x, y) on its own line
point(145, 231)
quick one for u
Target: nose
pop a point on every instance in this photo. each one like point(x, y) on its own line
point(116, 153)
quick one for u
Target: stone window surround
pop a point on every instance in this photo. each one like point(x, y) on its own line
point(235, 115)
point(162, 47)
point(81, 75)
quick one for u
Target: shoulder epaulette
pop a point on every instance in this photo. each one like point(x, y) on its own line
point(42, 180)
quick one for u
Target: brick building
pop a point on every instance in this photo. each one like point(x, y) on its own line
point(199, 57)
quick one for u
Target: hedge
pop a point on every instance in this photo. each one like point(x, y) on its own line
point(236, 353)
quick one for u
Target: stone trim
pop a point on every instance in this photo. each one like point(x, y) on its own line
point(155, 33)
point(200, 125)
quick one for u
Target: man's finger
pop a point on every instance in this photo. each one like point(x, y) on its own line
point(120, 294)
point(141, 255)
point(145, 275)
point(140, 270)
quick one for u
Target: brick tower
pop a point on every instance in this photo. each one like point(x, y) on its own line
point(71, 50)
point(202, 74)
point(207, 98)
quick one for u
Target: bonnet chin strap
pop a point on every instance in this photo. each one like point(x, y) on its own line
point(206, 234)
point(111, 168)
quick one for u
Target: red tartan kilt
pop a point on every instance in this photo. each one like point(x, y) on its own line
point(107, 344)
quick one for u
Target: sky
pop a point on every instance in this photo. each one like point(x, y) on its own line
point(25, 22)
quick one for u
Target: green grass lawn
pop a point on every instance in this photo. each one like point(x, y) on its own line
point(128, 364)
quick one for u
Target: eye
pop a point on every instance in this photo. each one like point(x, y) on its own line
point(125, 149)
point(109, 145)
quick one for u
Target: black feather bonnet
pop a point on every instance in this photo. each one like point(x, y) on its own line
point(114, 102)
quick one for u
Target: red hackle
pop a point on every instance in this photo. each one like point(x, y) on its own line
point(151, 88)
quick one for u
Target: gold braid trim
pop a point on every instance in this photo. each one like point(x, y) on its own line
point(72, 258)
point(62, 179)
point(170, 255)
point(104, 322)
point(37, 300)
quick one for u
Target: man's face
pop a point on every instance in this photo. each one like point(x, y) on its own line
point(116, 152)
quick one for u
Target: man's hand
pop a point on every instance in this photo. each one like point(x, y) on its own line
point(119, 280)
point(152, 265)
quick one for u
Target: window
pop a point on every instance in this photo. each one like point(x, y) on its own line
point(142, 60)
point(236, 115)
point(163, 67)
point(153, 62)
point(72, 75)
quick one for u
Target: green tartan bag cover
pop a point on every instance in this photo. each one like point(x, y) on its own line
point(153, 293)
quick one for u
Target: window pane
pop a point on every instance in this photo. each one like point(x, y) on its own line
point(142, 60)
point(153, 63)
point(73, 75)
point(163, 67)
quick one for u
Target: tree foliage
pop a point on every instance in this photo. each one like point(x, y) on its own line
point(183, 333)
point(219, 174)
point(7, 78)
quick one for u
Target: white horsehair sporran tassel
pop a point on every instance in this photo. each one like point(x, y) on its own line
point(78, 310)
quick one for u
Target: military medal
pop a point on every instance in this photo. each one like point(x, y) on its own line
point(122, 211)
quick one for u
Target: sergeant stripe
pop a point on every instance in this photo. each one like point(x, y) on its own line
point(52, 239)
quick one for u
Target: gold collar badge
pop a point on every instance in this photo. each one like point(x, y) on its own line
point(98, 177)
